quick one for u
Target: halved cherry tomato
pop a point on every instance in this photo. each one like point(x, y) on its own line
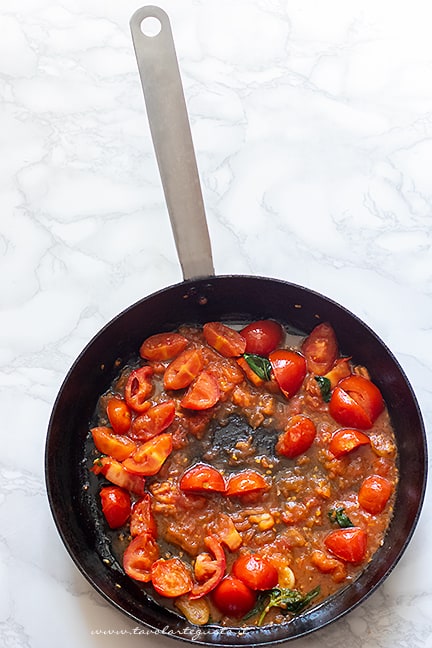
point(171, 577)
point(183, 370)
point(297, 437)
point(119, 415)
point(347, 544)
point(142, 518)
point(320, 349)
point(138, 389)
point(201, 589)
point(374, 494)
point(246, 481)
point(117, 474)
point(163, 346)
point(116, 505)
point(203, 393)
point(202, 478)
point(118, 447)
point(233, 598)
point(139, 557)
point(255, 571)
point(289, 369)
point(150, 456)
point(262, 337)
point(346, 440)
point(224, 339)
point(157, 419)
point(356, 402)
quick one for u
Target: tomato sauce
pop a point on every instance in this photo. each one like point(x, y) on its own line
point(247, 485)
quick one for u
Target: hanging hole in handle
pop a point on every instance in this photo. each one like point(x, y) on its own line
point(151, 26)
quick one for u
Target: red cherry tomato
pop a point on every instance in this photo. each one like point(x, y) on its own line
point(347, 544)
point(138, 389)
point(150, 456)
point(262, 337)
point(215, 547)
point(171, 577)
point(118, 415)
point(347, 440)
point(289, 369)
point(142, 518)
point(202, 394)
point(224, 339)
point(255, 571)
point(202, 478)
point(183, 370)
point(163, 346)
point(157, 419)
point(321, 349)
point(117, 474)
point(246, 481)
point(356, 402)
point(374, 494)
point(118, 447)
point(139, 557)
point(297, 437)
point(233, 598)
point(116, 505)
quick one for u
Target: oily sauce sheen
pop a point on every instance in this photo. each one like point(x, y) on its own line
point(258, 484)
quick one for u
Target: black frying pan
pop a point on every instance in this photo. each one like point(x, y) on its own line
point(72, 491)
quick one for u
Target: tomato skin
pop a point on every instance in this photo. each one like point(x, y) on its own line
point(233, 598)
point(297, 437)
point(118, 447)
point(138, 388)
point(320, 349)
point(347, 440)
point(117, 474)
point(139, 557)
point(245, 482)
point(116, 505)
point(215, 547)
point(224, 339)
point(171, 577)
point(262, 337)
point(203, 393)
point(289, 370)
point(118, 415)
point(347, 544)
point(163, 346)
point(157, 419)
point(374, 494)
point(183, 370)
point(202, 478)
point(255, 571)
point(149, 457)
point(142, 518)
point(356, 402)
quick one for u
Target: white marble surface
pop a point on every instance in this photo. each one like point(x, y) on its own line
point(313, 128)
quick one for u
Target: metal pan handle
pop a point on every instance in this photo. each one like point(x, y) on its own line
point(172, 139)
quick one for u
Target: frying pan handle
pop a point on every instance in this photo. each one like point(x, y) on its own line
point(172, 139)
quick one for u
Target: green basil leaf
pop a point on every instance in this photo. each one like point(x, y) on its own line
point(260, 365)
point(325, 387)
point(288, 600)
point(339, 517)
